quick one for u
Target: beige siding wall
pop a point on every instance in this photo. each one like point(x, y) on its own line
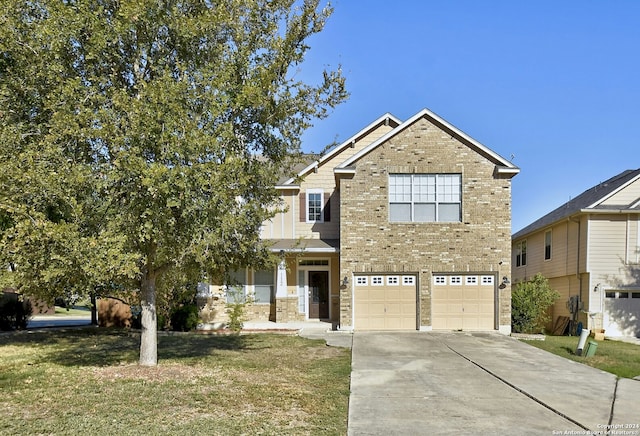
point(564, 252)
point(630, 194)
point(289, 225)
point(370, 243)
point(613, 247)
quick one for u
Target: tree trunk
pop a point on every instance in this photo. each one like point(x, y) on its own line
point(94, 309)
point(149, 335)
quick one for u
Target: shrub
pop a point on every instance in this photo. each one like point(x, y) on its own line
point(185, 318)
point(529, 304)
point(236, 308)
point(14, 312)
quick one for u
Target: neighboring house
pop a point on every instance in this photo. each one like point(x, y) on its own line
point(405, 225)
point(589, 249)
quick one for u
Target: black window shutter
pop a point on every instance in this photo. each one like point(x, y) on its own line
point(327, 208)
point(303, 207)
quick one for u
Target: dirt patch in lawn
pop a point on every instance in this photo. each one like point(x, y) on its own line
point(160, 373)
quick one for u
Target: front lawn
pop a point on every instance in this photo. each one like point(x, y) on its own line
point(87, 382)
point(619, 358)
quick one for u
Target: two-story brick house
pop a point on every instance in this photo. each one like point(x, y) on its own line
point(405, 225)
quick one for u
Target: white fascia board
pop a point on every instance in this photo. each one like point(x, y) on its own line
point(350, 170)
point(611, 211)
point(615, 191)
point(426, 112)
point(505, 170)
point(288, 187)
point(345, 144)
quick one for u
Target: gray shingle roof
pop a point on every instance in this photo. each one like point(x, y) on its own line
point(583, 201)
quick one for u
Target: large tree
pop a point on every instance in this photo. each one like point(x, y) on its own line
point(140, 136)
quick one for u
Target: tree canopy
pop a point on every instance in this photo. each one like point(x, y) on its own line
point(140, 136)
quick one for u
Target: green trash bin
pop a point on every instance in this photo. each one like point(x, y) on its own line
point(591, 349)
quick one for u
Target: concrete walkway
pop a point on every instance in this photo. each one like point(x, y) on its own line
point(479, 383)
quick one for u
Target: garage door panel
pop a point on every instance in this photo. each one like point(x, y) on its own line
point(391, 306)
point(463, 302)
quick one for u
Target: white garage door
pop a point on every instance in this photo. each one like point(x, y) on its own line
point(463, 302)
point(622, 313)
point(385, 302)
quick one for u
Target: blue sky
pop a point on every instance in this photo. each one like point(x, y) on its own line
point(554, 83)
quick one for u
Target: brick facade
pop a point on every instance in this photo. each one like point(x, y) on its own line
point(370, 243)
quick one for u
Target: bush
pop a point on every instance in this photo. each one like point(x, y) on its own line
point(236, 308)
point(529, 304)
point(14, 312)
point(185, 318)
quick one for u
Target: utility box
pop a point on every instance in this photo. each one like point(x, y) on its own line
point(591, 349)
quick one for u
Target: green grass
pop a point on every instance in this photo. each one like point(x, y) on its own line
point(87, 381)
point(619, 358)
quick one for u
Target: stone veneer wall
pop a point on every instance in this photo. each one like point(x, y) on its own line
point(370, 243)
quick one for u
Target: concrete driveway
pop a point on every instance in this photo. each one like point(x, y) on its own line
point(424, 383)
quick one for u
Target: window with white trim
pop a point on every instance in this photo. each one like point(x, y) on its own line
point(425, 197)
point(315, 201)
point(377, 281)
point(471, 280)
point(393, 280)
point(361, 281)
point(455, 280)
point(408, 280)
point(440, 280)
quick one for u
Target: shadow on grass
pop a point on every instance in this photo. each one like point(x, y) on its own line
point(105, 347)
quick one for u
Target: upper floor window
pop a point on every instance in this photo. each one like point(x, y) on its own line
point(547, 245)
point(521, 253)
point(314, 206)
point(425, 197)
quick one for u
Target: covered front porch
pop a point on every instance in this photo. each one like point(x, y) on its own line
point(304, 287)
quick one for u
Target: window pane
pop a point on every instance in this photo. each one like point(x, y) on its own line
point(449, 212)
point(399, 188)
point(400, 212)
point(263, 286)
point(235, 292)
point(424, 212)
point(424, 188)
point(449, 188)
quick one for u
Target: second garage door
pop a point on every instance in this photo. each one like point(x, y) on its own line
point(463, 302)
point(385, 302)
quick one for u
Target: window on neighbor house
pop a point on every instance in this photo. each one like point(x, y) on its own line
point(263, 287)
point(521, 253)
point(235, 289)
point(425, 197)
point(547, 245)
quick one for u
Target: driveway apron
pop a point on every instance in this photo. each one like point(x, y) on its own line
point(476, 383)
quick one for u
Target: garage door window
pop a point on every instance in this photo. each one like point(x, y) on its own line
point(456, 280)
point(440, 280)
point(408, 280)
point(361, 281)
point(471, 280)
point(487, 280)
point(393, 280)
point(377, 281)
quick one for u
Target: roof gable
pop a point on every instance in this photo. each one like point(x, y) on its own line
point(386, 119)
point(590, 200)
point(504, 166)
